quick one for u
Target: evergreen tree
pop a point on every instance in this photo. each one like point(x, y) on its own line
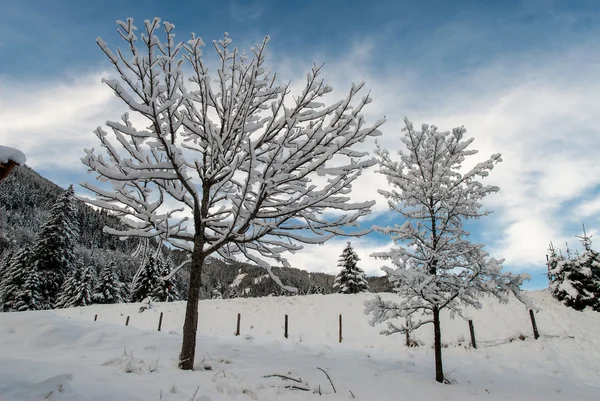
point(5, 259)
point(54, 253)
point(575, 279)
point(352, 279)
point(166, 289)
point(217, 292)
point(233, 293)
point(69, 288)
point(29, 297)
point(14, 278)
point(77, 289)
point(85, 288)
point(146, 281)
point(316, 289)
point(110, 290)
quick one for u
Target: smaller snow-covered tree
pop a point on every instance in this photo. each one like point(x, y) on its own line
point(233, 293)
point(575, 279)
point(316, 289)
point(145, 282)
point(436, 266)
point(352, 279)
point(14, 278)
point(54, 252)
point(110, 290)
point(78, 288)
point(217, 292)
point(166, 289)
point(29, 297)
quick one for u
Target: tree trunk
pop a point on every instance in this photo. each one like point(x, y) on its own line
point(437, 345)
point(190, 325)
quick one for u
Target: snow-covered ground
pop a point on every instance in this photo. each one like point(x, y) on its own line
point(65, 355)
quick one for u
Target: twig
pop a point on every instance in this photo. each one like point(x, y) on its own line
point(195, 392)
point(293, 387)
point(332, 386)
point(218, 373)
point(284, 378)
point(251, 394)
point(352, 394)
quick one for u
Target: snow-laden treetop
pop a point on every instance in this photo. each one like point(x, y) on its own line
point(7, 154)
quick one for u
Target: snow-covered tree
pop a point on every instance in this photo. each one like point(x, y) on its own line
point(217, 291)
point(14, 278)
point(54, 252)
point(436, 266)
point(233, 293)
point(146, 281)
point(166, 288)
point(110, 290)
point(351, 279)
point(575, 279)
point(251, 165)
point(78, 288)
point(316, 289)
point(29, 297)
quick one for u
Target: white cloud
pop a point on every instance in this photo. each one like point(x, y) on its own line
point(541, 114)
point(52, 121)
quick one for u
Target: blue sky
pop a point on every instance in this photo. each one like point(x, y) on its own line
point(522, 76)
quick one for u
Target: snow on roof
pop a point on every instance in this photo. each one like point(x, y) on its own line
point(7, 154)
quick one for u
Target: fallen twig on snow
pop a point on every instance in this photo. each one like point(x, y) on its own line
point(332, 386)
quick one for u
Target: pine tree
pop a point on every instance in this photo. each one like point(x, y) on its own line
point(575, 279)
point(352, 279)
point(217, 292)
point(233, 293)
point(69, 288)
point(29, 297)
point(54, 253)
point(316, 289)
point(110, 290)
point(166, 289)
point(77, 289)
point(146, 281)
point(14, 278)
point(85, 288)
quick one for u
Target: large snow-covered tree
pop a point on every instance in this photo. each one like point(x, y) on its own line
point(351, 279)
point(251, 167)
point(575, 278)
point(110, 289)
point(436, 266)
point(53, 254)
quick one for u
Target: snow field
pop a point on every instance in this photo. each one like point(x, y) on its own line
point(42, 351)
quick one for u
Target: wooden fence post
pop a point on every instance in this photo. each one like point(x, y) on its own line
point(472, 330)
point(286, 326)
point(536, 334)
point(407, 338)
point(127, 321)
point(160, 321)
point(237, 329)
point(95, 317)
point(340, 327)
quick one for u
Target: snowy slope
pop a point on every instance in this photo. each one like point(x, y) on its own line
point(41, 350)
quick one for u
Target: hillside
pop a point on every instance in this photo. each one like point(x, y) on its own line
point(104, 360)
point(26, 198)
